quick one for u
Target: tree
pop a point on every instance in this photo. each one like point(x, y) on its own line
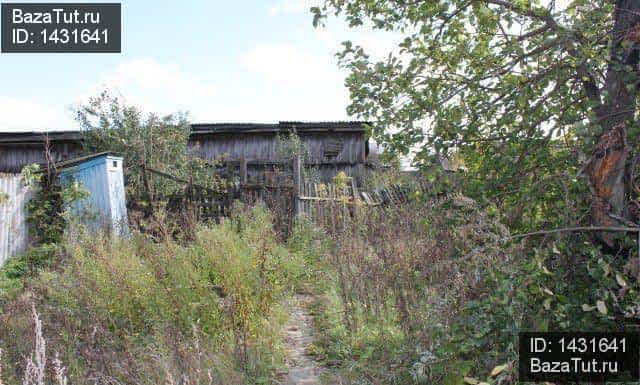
point(147, 141)
point(525, 90)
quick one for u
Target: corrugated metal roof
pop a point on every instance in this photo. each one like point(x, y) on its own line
point(39, 137)
point(284, 126)
point(196, 129)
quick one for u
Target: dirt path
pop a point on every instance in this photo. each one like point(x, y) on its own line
point(303, 369)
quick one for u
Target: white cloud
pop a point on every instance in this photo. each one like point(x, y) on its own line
point(379, 44)
point(25, 115)
point(326, 37)
point(376, 42)
point(294, 83)
point(286, 64)
point(149, 75)
point(154, 86)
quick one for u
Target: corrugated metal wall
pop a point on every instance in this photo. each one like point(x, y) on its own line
point(14, 235)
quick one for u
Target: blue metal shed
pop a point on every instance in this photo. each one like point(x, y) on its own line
point(102, 175)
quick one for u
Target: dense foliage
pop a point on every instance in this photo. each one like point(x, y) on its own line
point(531, 94)
point(147, 143)
point(48, 215)
point(537, 103)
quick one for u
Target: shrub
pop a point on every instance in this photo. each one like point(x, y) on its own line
point(49, 206)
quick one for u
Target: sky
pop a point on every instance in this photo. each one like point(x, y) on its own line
point(218, 60)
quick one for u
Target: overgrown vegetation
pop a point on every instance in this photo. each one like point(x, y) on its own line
point(152, 143)
point(538, 102)
point(49, 213)
point(146, 142)
point(432, 291)
point(436, 292)
point(138, 311)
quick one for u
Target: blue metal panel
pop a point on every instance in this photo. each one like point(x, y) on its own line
point(105, 207)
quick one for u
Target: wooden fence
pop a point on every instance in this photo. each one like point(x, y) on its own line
point(334, 205)
point(328, 205)
point(247, 180)
point(282, 188)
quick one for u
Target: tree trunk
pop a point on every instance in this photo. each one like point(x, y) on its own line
point(607, 167)
point(607, 179)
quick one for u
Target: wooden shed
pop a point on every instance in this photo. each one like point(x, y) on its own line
point(103, 178)
point(19, 149)
point(330, 147)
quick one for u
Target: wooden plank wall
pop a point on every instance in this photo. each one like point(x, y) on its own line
point(267, 146)
point(264, 152)
point(13, 157)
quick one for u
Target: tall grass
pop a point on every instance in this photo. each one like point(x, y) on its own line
point(35, 365)
point(401, 274)
point(137, 311)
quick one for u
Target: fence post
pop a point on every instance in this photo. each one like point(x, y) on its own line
point(296, 184)
point(243, 170)
point(243, 179)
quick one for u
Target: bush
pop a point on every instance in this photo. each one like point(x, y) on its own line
point(398, 283)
